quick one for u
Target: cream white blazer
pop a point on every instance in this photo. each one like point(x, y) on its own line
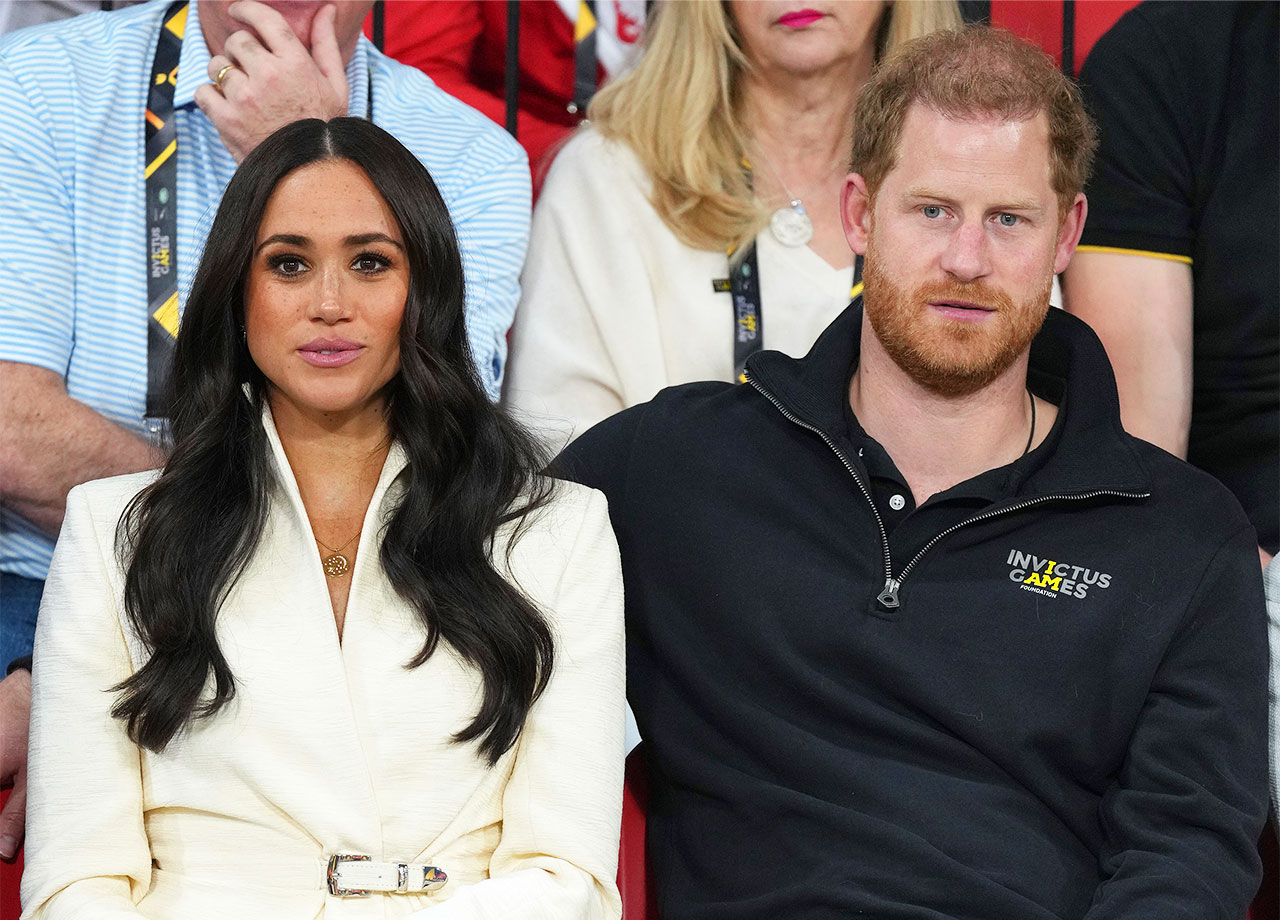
point(327, 747)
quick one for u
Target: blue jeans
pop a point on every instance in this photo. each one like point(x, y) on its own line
point(19, 604)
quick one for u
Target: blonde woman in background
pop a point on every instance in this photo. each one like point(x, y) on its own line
point(705, 189)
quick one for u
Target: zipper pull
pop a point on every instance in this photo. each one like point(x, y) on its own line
point(888, 598)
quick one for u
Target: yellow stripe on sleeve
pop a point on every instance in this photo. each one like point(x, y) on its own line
point(1168, 256)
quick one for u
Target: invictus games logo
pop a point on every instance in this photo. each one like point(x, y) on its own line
point(1051, 577)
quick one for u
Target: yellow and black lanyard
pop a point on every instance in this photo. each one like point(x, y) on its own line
point(161, 175)
point(585, 60)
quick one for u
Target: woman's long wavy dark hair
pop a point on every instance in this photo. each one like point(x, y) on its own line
point(186, 538)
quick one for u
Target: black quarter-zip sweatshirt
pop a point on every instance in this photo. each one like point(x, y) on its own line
point(1040, 695)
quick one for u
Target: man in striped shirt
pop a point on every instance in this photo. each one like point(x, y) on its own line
point(76, 247)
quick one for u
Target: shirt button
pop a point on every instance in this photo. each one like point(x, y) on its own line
point(897, 502)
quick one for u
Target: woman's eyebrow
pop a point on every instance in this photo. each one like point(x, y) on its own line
point(291, 239)
point(355, 239)
point(359, 239)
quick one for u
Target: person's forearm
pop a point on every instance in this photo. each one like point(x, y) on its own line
point(46, 517)
point(1141, 308)
point(53, 442)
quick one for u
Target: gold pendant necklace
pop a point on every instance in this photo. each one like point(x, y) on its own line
point(335, 564)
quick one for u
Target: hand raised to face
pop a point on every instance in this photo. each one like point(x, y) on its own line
point(269, 77)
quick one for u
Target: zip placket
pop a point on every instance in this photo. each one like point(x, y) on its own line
point(888, 596)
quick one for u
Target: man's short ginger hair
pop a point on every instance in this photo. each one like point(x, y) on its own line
point(974, 72)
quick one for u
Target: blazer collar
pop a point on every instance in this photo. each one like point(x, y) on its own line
point(396, 462)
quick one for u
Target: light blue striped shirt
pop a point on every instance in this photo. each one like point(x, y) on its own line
point(73, 290)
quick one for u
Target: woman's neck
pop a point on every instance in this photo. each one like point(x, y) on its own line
point(335, 460)
point(798, 135)
point(803, 123)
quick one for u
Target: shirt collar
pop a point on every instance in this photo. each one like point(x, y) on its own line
point(193, 62)
point(193, 68)
point(992, 485)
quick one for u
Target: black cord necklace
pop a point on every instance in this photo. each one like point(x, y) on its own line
point(1031, 436)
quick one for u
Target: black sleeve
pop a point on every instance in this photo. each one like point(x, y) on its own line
point(1136, 85)
point(18, 664)
point(601, 456)
point(1183, 816)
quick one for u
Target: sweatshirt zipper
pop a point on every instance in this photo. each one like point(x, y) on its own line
point(888, 596)
point(891, 584)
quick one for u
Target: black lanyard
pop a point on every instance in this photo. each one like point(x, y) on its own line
point(585, 60)
point(161, 176)
point(748, 311)
point(748, 307)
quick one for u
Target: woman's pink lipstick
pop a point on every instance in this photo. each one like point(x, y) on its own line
point(330, 352)
point(799, 19)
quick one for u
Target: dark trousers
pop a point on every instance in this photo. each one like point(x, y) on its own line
point(19, 604)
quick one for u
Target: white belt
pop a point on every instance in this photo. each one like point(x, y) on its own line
point(352, 875)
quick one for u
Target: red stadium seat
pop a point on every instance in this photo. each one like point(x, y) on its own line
point(634, 883)
point(1266, 906)
point(10, 874)
point(1045, 22)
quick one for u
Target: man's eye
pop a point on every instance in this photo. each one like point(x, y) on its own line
point(287, 265)
point(931, 211)
point(1008, 220)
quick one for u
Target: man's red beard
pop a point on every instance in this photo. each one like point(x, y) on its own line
point(949, 357)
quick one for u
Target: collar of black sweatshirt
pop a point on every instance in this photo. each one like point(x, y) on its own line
point(1068, 366)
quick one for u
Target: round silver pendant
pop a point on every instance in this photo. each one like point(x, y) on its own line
point(790, 226)
point(336, 566)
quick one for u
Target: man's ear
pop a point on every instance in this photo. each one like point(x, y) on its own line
point(856, 205)
point(1069, 233)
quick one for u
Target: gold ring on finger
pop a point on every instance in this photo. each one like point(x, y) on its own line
point(222, 73)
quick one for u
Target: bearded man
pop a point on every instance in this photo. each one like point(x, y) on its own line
point(915, 629)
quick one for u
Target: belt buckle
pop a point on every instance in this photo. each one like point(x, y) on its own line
point(336, 860)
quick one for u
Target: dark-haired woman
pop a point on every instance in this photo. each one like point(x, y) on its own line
point(348, 640)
